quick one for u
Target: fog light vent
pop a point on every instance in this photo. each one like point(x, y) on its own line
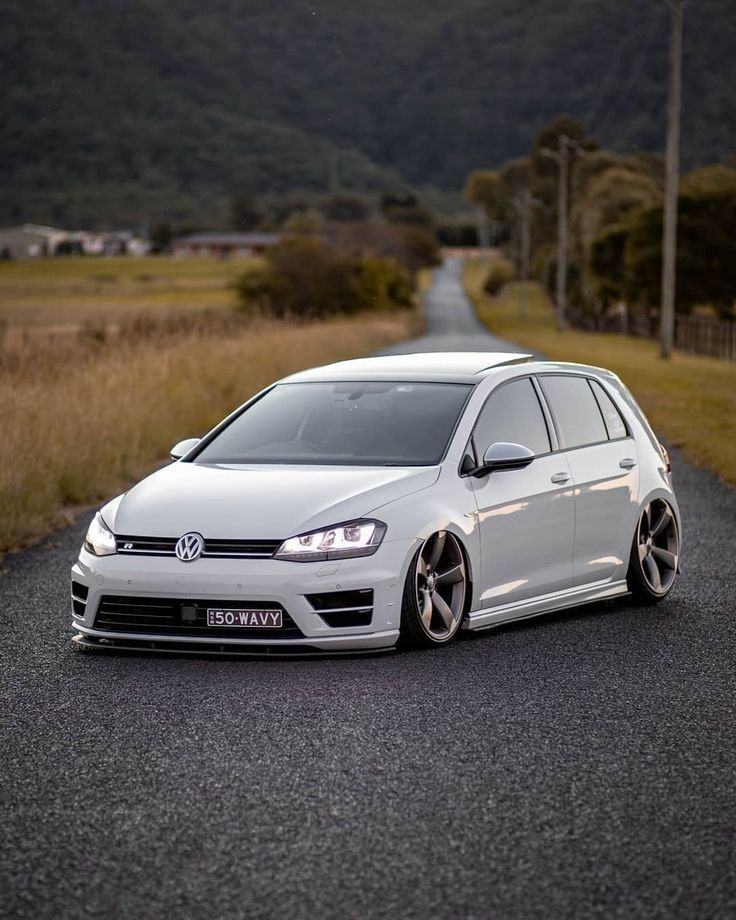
point(344, 608)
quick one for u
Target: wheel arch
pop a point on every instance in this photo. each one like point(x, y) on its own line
point(667, 495)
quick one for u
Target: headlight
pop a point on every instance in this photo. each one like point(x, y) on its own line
point(343, 541)
point(99, 539)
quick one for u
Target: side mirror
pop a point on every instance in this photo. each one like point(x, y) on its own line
point(504, 456)
point(183, 447)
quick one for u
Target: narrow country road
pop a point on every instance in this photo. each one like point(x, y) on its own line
point(576, 766)
point(451, 321)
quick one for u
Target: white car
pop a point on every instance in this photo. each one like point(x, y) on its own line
point(404, 497)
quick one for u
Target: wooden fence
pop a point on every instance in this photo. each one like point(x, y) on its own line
point(705, 335)
point(696, 335)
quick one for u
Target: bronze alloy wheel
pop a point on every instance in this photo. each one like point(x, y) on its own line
point(655, 554)
point(434, 598)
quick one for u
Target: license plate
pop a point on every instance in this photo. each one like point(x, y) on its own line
point(247, 618)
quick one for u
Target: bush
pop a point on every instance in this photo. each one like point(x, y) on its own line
point(412, 247)
point(306, 278)
point(500, 273)
point(382, 284)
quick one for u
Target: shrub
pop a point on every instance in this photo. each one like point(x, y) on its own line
point(500, 273)
point(412, 247)
point(381, 284)
point(306, 278)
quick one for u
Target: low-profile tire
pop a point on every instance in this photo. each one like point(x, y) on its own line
point(655, 554)
point(435, 592)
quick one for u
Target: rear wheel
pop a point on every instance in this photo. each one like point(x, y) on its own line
point(435, 592)
point(655, 553)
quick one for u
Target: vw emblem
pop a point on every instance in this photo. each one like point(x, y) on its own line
point(189, 547)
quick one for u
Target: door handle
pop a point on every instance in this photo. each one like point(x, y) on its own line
point(627, 463)
point(560, 477)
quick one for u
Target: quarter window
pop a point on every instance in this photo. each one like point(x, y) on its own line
point(512, 414)
point(615, 425)
point(576, 413)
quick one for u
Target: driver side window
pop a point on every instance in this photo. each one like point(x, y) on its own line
point(513, 414)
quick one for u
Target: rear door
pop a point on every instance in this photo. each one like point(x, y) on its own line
point(526, 516)
point(604, 465)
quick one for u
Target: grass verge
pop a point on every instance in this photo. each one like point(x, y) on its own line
point(690, 400)
point(79, 422)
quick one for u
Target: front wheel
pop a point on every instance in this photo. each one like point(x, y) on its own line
point(434, 592)
point(655, 554)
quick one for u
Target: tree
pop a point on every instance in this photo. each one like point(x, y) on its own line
point(603, 201)
point(627, 258)
point(515, 176)
point(710, 179)
point(303, 223)
point(483, 190)
point(161, 236)
point(548, 138)
point(516, 180)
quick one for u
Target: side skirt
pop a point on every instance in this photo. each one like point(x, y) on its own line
point(487, 618)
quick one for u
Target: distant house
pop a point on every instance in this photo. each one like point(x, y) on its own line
point(34, 241)
point(224, 245)
point(30, 241)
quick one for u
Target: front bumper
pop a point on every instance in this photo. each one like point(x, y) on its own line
point(253, 581)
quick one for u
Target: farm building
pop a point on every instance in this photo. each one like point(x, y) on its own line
point(224, 245)
point(29, 241)
point(33, 241)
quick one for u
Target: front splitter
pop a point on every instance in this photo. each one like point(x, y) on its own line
point(201, 650)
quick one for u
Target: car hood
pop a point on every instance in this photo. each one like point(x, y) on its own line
point(227, 501)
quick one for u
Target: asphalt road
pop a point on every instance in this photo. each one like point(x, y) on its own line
point(580, 765)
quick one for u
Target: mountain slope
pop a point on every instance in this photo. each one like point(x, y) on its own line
point(125, 111)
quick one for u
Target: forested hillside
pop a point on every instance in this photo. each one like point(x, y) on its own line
point(118, 112)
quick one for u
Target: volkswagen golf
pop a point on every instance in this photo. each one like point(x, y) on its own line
point(348, 507)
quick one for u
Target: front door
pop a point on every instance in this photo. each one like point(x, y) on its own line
point(526, 517)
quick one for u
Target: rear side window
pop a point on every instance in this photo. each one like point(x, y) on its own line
point(615, 425)
point(512, 414)
point(577, 416)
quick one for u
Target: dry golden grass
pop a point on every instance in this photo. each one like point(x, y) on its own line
point(690, 400)
point(79, 422)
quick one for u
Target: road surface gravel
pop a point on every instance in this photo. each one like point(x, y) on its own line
point(579, 765)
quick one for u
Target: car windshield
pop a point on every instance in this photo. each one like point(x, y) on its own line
point(362, 423)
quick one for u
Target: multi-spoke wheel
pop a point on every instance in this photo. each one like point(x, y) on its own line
point(435, 591)
point(655, 553)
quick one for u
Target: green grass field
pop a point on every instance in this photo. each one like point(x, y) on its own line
point(55, 293)
point(690, 400)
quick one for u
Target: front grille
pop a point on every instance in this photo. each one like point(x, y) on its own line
point(344, 608)
point(163, 616)
point(213, 549)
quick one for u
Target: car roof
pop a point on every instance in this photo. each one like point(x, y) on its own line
point(454, 366)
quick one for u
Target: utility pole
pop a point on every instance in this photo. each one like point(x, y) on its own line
point(522, 203)
point(672, 171)
point(562, 161)
point(484, 234)
point(562, 157)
